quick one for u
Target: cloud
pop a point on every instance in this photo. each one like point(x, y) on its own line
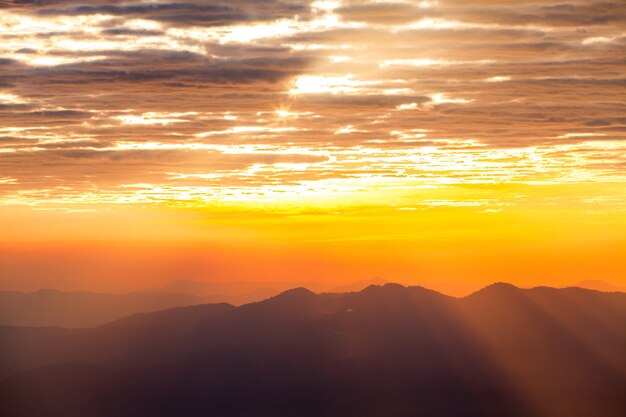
point(132, 32)
point(100, 95)
point(188, 12)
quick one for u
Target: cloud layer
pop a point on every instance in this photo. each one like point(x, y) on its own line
point(190, 101)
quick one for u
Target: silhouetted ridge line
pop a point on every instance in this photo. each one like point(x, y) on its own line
point(174, 313)
point(298, 292)
point(294, 296)
point(388, 350)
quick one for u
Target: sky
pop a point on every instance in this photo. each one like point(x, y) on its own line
point(445, 143)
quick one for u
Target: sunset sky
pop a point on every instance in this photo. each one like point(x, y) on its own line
point(446, 143)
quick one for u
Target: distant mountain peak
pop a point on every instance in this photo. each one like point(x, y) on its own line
point(293, 295)
point(598, 285)
point(502, 285)
point(390, 286)
point(49, 291)
point(396, 288)
point(497, 288)
point(397, 292)
point(296, 292)
point(294, 300)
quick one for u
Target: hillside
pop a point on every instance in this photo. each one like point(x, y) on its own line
point(384, 351)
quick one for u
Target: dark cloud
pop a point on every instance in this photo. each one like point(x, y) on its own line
point(532, 13)
point(26, 51)
point(131, 32)
point(150, 75)
point(187, 12)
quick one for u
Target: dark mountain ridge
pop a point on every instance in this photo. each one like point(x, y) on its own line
point(387, 350)
point(83, 308)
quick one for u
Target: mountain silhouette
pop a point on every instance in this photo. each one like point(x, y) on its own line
point(387, 350)
point(595, 284)
point(236, 292)
point(83, 308)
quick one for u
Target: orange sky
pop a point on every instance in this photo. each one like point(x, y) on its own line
point(445, 143)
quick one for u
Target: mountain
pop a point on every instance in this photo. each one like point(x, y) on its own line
point(600, 286)
point(387, 350)
point(83, 308)
point(75, 309)
point(359, 285)
point(235, 292)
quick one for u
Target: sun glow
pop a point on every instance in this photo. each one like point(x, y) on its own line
point(336, 116)
point(310, 84)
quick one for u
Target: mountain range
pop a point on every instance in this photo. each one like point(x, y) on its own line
point(76, 309)
point(387, 350)
point(84, 308)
